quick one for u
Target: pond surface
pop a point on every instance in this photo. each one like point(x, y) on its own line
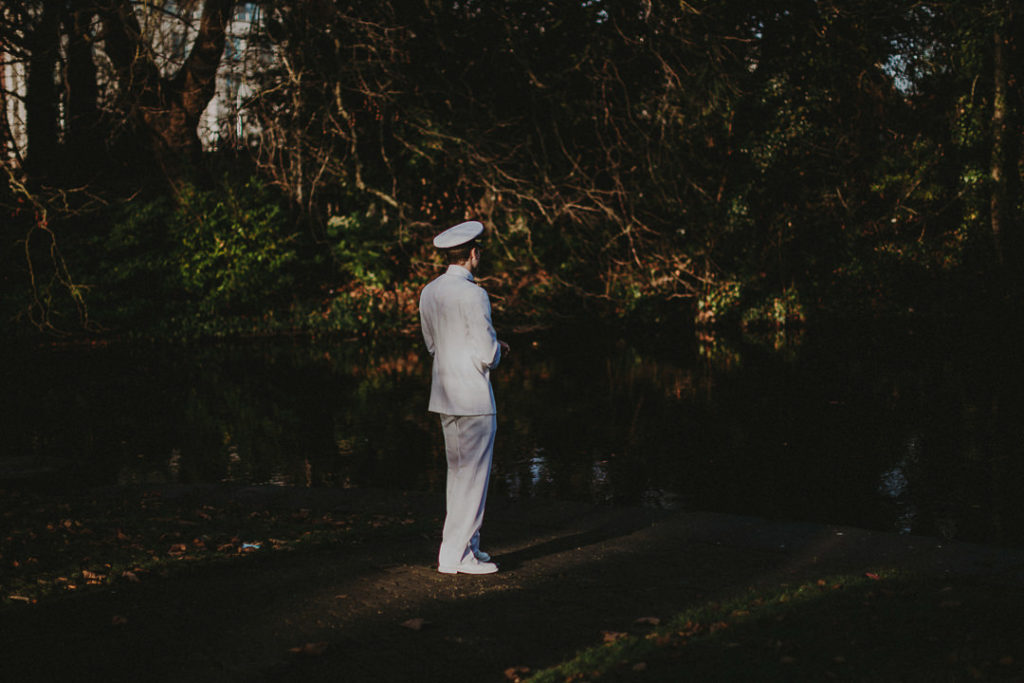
point(915, 432)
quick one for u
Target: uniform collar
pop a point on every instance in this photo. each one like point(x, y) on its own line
point(459, 271)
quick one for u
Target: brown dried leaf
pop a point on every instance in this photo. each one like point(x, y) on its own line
point(311, 649)
point(612, 636)
point(415, 624)
point(653, 621)
point(93, 578)
point(516, 673)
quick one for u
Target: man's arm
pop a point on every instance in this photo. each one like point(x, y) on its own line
point(428, 335)
point(485, 348)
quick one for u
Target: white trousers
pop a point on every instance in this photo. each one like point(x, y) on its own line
point(469, 447)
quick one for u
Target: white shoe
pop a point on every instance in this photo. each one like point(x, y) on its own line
point(481, 555)
point(472, 566)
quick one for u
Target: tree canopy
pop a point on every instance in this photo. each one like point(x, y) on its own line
point(704, 162)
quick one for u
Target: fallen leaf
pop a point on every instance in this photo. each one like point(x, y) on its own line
point(873, 576)
point(415, 624)
point(131, 576)
point(516, 673)
point(118, 620)
point(653, 621)
point(612, 636)
point(93, 577)
point(312, 649)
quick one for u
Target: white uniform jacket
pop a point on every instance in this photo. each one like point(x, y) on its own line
point(455, 314)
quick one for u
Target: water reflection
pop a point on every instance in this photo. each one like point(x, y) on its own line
point(885, 430)
point(528, 477)
point(895, 484)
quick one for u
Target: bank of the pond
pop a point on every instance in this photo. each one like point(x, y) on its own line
point(273, 584)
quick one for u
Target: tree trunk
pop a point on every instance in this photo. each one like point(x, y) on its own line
point(6, 137)
point(41, 94)
point(166, 111)
point(82, 119)
point(1004, 169)
point(997, 202)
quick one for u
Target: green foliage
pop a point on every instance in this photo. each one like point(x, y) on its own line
point(719, 301)
point(205, 254)
point(237, 249)
point(360, 247)
point(781, 310)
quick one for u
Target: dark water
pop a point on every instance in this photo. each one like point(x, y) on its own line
point(916, 432)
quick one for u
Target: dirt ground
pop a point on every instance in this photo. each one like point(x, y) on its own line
point(379, 611)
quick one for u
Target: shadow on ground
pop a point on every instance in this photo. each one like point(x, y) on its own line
point(379, 611)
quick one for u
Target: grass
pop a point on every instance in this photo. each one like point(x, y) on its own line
point(889, 627)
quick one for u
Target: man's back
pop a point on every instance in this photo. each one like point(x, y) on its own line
point(455, 315)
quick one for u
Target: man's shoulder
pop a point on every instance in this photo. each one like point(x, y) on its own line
point(448, 285)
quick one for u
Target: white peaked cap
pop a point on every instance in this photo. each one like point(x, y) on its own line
point(459, 234)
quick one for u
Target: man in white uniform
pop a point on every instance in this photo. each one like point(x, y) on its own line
point(455, 314)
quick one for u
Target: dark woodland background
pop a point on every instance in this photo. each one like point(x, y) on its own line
point(701, 164)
